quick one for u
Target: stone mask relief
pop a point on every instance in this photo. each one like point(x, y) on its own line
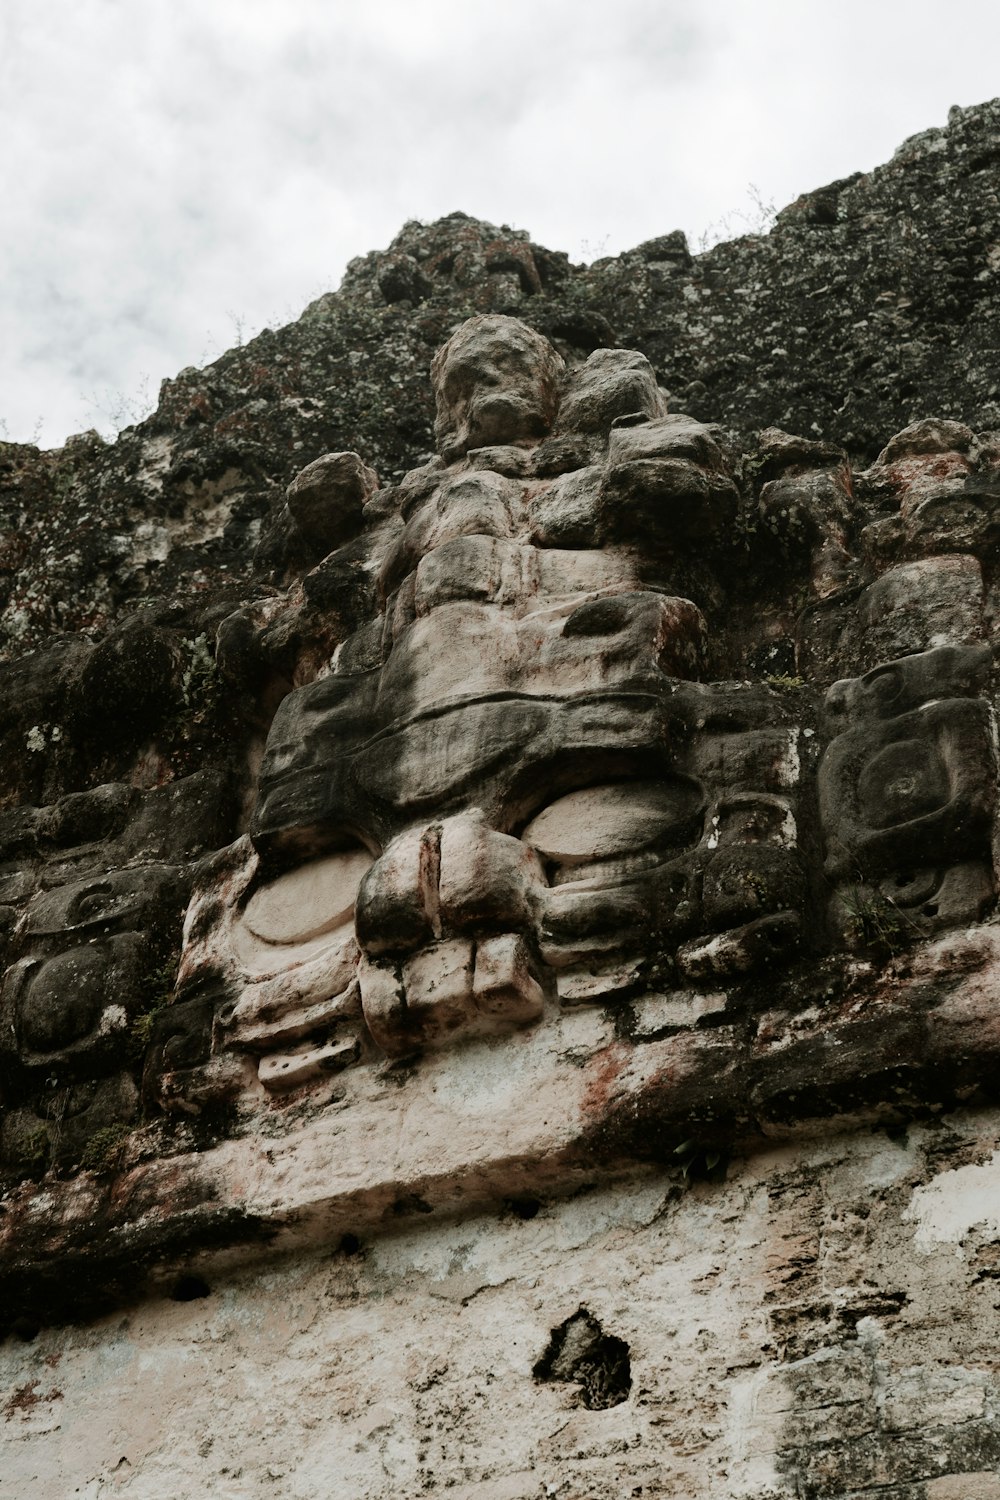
point(512, 790)
point(598, 713)
point(68, 1002)
point(908, 792)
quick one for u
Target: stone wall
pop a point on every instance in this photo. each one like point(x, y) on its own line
point(500, 943)
point(872, 303)
point(822, 1323)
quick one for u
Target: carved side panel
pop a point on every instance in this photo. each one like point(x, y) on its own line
point(908, 796)
point(69, 1040)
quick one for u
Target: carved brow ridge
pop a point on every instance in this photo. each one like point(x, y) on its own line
point(448, 705)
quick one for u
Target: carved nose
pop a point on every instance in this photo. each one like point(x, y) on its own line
point(455, 878)
point(398, 901)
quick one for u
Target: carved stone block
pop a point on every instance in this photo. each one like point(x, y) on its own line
point(908, 794)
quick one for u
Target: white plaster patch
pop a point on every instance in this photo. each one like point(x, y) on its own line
point(954, 1394)
point(113, 1018)
point(886, 1166)
point(946, 1209)
point(753, 1431)
point(149, 542)
point(981, 1485)
point(655, 1012)
point(488, 1077)
point(494, 1077)
point(878, 1168)
point(788, 767)
point(408, 1366)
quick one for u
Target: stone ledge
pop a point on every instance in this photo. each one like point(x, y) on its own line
point(533, 1115)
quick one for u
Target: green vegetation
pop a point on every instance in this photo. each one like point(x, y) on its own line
point(699, 1162)
point(103, 1151)
point(33, 1151)
point(160, 987)
point(874, 921)
point(200, 678)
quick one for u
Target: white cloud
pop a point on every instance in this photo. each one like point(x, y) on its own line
point(173, 168)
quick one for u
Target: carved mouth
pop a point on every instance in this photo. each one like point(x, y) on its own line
point(451, 988)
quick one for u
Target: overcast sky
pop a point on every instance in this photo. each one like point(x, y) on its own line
point(176, 174)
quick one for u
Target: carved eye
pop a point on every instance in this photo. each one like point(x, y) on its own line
point(308, 902)
point(280, 758)
point(606, 822)
point(96, 901)
point(903, 781)
point(911, 887)
point(882, 687)
point(601, 617)
point(63, 999)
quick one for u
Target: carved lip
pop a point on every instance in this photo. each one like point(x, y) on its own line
point(267, 1032)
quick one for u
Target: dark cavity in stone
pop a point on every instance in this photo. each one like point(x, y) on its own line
point(580, 1352)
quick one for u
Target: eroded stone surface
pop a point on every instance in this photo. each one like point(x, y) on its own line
point(821, 1323)
point(610, 792)
point(511, 781)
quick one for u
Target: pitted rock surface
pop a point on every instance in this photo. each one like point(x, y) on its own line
point(507, 728)
point(872, 303)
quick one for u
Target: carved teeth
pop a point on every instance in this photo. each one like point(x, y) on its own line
point(295, 1023)
point(509, 985)
point(453, 986)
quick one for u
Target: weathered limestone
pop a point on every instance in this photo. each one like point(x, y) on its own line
point(822, 1323)
point(513, 816)
point(496, 381)
point(583, 847)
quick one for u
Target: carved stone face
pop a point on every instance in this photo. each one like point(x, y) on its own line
point(513, 790)
point(908, 792)
point(68, 1003)
point(509, 791)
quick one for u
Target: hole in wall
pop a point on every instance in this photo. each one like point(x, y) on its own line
point(410, 1203)
point(580, 1352)
point(188, 1288)
point(524, 1208)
